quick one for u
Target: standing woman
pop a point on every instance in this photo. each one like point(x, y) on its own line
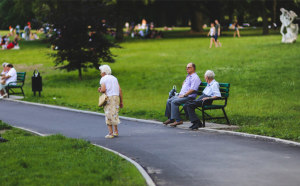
point(236, 29)
point(110, 86)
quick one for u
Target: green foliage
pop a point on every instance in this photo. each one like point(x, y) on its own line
point(57, 160)
point(79, 39)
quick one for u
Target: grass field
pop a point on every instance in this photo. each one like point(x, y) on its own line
point(264, 77)
point(56, 160)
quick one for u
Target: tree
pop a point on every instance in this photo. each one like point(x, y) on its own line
point(79, 36)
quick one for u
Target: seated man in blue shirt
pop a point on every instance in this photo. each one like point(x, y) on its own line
point(211, 91)
point(187, 93)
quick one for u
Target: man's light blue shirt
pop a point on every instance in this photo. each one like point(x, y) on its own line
point(191, 82)
point(212, 89)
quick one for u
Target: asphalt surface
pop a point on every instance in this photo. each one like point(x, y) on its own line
point(171, 156)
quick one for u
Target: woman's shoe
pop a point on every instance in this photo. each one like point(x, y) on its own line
point(115, 134)
point(109, 136)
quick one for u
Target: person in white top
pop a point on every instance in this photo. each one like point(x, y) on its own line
point(212, 33)
point(110, 86)
point(211, 92)
point(9, 77)
point(4, 71)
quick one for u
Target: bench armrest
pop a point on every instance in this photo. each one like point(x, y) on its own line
point(15, 82)
point(219, 98)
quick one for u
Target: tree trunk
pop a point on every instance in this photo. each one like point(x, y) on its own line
point(197, 21)
point(79, 73)
point(274, 13)
point(120, 23)
point(265, 19)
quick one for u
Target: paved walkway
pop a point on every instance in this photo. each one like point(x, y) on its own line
point(171, 156)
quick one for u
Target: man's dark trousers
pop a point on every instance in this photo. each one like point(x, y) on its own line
point(192, 105)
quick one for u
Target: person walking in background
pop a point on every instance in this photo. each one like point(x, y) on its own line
point(211, 33)
point(217, 34)
point(187, 93)
point(236, 29)
point(211, 92)
point(110, 86)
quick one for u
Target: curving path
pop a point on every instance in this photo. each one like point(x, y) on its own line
point(171, 156)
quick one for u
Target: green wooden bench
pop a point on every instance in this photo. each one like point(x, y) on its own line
point(10, 88)
point(224, 89)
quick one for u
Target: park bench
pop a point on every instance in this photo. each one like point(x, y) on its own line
point(224, 89)
point(16, 85)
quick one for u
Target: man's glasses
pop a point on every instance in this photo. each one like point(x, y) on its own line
point(188, 67)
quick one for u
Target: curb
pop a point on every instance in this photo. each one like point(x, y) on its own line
point(146, 176)
point(277, 140)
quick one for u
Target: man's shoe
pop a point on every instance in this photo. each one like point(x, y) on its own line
point(176, 123)
point(5, 95)
point(196, 126)
point(168, 122)
point(192, 125)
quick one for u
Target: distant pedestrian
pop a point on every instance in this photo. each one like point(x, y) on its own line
point(236, 29)
point(27, 32)
point(218, 32)
point(110, 86)
point(211, 33)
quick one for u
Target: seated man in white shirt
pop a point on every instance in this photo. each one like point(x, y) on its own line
point(211, 91)
point(10, 76)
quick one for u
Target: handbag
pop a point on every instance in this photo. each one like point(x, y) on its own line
point(102, 100)
point(172, 91)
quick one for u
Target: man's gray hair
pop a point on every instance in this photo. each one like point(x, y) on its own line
point(105, 69)
point(210, 74)
point(4, 64)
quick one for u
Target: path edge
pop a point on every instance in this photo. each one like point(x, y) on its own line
point(278, 140)
point(143, 172)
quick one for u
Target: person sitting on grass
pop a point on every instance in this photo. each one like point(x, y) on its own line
point(187, 93)
point(211, 92)
point(10, 76)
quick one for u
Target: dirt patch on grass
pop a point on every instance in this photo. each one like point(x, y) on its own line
point(22, 67)
point(2, 131)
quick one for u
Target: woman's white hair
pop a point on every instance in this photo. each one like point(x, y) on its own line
point(4, 64)
point(105, 69)
point(210, 74)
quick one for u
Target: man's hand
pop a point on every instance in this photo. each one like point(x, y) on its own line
point(181, 96)
point(99, 89)
point(206, 98)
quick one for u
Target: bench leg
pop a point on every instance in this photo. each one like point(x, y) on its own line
point(23, 92)
point(7, 92)
point(203, 117)
point(226, 116)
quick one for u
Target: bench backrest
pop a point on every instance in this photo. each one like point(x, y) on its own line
point(224, 89)
point(21, 76)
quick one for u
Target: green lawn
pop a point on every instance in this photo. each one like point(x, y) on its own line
point(56, 160)
point(264, 77)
